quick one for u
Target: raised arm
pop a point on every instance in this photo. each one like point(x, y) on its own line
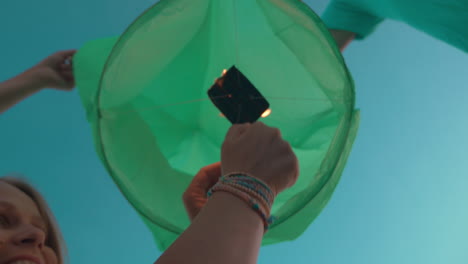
point(227, 230)
point(53, 72)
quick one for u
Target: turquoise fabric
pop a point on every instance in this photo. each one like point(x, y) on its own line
point(446, 20)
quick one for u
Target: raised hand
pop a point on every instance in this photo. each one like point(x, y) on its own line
point(195, 196)
point(56, 71)
point(259, 151)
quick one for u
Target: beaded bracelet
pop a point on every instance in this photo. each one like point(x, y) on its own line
point(251, 190)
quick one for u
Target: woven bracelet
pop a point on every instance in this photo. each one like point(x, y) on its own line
point(247, 178)
point(252, 191)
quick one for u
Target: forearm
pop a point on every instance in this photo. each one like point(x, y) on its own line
point(225, 231)
point(342, 37)
point(17, 89)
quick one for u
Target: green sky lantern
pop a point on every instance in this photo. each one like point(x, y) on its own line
point(154, 126)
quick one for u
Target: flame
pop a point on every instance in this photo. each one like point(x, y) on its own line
point(224, 71)
point(266, 113)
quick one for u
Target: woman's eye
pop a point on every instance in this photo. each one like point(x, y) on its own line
point(3, 220)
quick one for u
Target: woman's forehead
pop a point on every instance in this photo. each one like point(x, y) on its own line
point(13, 198)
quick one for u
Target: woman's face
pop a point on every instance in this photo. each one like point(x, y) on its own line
point(22, 229)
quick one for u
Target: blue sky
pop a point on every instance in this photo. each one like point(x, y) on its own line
point(402, 198)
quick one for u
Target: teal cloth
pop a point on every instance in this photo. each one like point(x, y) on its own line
point(446, 20)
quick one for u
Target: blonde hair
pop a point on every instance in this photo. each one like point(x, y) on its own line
point(54, 238)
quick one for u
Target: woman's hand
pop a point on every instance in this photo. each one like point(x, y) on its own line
point(55, 71)
point(260, 151)
point(342, 38)
point(195, 196)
